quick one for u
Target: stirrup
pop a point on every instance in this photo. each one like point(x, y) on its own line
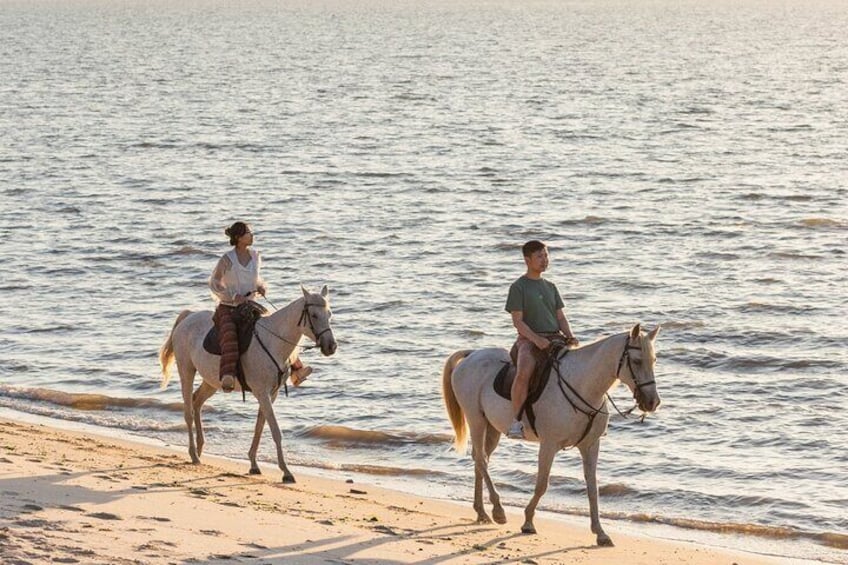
point(516, 430)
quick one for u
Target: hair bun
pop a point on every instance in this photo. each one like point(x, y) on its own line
point(228, 232)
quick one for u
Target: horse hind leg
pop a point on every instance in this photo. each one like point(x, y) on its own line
point(254, 445)
point(493, 437)
point(481, 447)
point(187, 372)
point(200, 396)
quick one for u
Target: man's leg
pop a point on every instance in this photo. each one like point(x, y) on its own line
point(524, 370)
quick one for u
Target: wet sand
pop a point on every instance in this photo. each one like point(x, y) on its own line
point(73, 497)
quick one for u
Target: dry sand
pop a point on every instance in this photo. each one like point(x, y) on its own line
point(71, 497)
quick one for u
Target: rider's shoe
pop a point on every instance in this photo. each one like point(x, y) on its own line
point(516, 430)
point(228, 383)
point(299, 375)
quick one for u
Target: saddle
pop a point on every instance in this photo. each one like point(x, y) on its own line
point(245, 316)
point(538, 380)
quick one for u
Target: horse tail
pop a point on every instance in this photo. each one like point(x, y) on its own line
point(166, 352)
point(455, 414)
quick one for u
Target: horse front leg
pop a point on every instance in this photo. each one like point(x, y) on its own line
point(200, 396)
point(267, 407)
point(547, 452)
point(590, 467)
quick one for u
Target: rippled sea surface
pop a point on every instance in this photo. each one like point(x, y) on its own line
point(686, 162)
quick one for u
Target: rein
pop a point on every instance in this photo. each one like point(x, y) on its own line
point(592, 412)
point(303, 315)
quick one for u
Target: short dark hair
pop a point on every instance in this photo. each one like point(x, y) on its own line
point(532, 247)
point(235, 231)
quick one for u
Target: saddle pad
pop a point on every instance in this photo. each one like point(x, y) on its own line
point(213, 346)
point(503, 381)
point(538, 381)
point(245, 317)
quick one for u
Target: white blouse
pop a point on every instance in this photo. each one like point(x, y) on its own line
point(237, 279)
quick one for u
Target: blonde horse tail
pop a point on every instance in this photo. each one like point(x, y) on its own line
point(166, 352)
point(455, 414)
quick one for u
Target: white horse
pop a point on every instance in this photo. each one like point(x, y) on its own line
point(570, 412)
point(265, 364)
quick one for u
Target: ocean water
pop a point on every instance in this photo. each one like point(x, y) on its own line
point(685, 161)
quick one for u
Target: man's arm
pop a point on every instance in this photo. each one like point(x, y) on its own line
point(565, 328)
point(525, 331)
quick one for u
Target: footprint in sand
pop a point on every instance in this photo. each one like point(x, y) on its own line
point(104, 516)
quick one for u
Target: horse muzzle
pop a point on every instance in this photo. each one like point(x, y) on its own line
point(647, 403)
point(328, 345)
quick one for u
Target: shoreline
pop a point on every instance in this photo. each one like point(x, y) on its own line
point(81, 497)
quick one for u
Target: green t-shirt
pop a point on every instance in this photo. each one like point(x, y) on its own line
point(539, 300)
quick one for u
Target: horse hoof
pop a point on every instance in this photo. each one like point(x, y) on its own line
point(528, 529)
point(288, 479)
point(605, 541)
point(499, 516)
point(484, 519)
point(255, 471)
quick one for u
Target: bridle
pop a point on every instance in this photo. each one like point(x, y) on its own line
point(625, 356)
point(592, 412)
point(304, 315)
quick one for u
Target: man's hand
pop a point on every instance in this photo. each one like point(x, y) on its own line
point(572, 341)
point(543, 344)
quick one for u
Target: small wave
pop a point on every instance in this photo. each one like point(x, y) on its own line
point(85, 401)
point(189, 250)
point(341, 436)
point(793, 128)
point(47, 329)
point(380, 470)
point(472, 333)
point(754, 306)
point(585, 221)
point(795, 256)
point(683, 324)
point(822, 223)
point(831, 539)
point(616, 489)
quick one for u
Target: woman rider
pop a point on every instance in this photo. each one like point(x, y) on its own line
point(235, 280)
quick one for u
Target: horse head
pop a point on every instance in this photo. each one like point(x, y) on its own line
point(639, 358)
point(316, 319)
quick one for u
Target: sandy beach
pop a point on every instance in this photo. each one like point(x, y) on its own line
point(71, 497)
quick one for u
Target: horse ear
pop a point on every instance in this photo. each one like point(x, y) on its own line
point(303, 289)
point(652, 335)
point(325, 292)
point(634, 333)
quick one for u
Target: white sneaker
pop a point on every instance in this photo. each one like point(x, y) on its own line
point(228, 383)
point(516, 430)
point(299, 375)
